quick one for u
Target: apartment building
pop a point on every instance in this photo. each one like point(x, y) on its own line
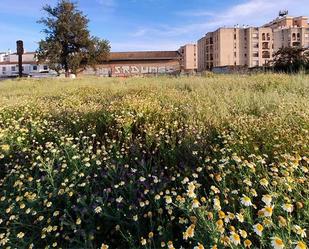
point(188, 61)
point(290, 32)
point(248, 46)
point(251, 46)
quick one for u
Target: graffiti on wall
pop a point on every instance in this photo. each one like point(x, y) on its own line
point(131, 70)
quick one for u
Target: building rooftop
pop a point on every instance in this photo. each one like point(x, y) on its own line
point(144, 55)
point(16, 62)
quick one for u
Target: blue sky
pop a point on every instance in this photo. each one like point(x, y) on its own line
point(133, 25)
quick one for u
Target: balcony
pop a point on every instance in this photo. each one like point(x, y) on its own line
point(265, 45)
point(255, 54)
point(266, 55)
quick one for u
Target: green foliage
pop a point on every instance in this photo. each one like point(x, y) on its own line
point(154, 162)
point(68, 45)
point(291, 60)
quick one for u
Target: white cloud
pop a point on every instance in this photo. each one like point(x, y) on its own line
point(107, 3)
point(146, 45)
point(250, 12)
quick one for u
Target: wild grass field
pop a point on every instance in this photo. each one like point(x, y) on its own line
point(194, 162)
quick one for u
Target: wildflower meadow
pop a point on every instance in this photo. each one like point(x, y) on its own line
point(190, 162)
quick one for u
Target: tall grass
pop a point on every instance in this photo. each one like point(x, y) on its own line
point(198, 162)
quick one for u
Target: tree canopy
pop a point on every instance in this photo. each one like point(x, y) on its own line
point(291, 59)
point(68, 44)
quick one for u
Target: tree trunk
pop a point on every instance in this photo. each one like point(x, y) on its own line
point(67, 71)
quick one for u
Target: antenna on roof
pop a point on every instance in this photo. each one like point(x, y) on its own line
point(283, 13)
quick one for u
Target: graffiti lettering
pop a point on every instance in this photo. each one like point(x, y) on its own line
point(131, 70)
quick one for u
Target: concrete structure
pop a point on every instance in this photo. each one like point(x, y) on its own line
point(290, 32)
point(124, 64)
point(118, 63)
point(188, 58)
point(9, 65)
point(251, 46)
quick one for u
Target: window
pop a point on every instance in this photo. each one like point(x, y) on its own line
point(35, 68)
point(3, 69)
point(254, 35)
point(235, 36)
point(255, 45)
point(266, 55)
point(45, 67)
point(235, 54)
point(256, 54)
point(13, 68)
point(296, 44)
point(268, 36)
point(265, 45)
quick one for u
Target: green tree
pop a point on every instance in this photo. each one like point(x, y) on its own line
point(291, 59)
point(68, 44)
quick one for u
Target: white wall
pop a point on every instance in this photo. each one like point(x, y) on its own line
point(7, 69)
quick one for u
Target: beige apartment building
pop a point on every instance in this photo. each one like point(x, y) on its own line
point(251, 46)
point(188, 61)
point(290, 32)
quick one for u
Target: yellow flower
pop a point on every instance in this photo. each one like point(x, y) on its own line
point(268, 211)
point(219, 223)
point(267, 199)
point(264, 182)
point(300, 231)
point(246, 201)
point(243, 233)
point(168, 199)
point(240, 218)
point(288, 207)
point(170, 245)
point(258, 229)
point(247, 243)
point(150, 235)
point(5, 147)
point(20, 235)
point(301, 245)
point(190, 190)
point(282, 221)
point(104, 246)
point(235, 238)
point(98, 210)
point(217, 204)
point(195, 203)
point(78, 221)
point(221, 215)
point(277, 243)
point(143, 241)
point(199, 246)
point(189, 233)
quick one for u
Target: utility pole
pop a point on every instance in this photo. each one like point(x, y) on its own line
point(20, 52)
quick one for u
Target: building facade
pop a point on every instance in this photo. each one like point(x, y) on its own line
point(251, 46)
point(290, 32)
point(9, 65)
point(188, 59)
point(119, 64)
